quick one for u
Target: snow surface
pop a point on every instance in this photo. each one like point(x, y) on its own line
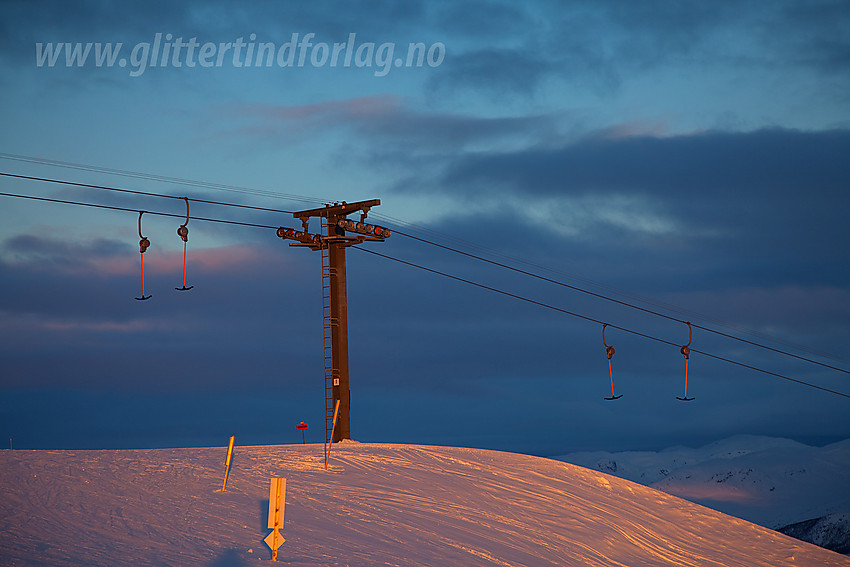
point(771, 481)
point(377, 504)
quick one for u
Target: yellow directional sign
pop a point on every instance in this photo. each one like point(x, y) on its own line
point(274, 540)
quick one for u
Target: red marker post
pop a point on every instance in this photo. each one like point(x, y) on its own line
point(302, 427)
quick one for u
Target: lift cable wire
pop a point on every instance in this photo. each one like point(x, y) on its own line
point(611, 289)
point(278, 195)
point(449, 248)
point(136, 192)
point(127, 209)
point(624, 303)
point(160, 178)
point(497, 253)
point(444, 274)
point(591, 319)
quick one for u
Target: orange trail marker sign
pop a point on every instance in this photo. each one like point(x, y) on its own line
point(277, 504)
point(302, 427)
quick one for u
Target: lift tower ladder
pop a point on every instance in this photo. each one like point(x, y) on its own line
point(327, 324)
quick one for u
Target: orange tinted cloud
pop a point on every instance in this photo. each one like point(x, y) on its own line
point(158, 261)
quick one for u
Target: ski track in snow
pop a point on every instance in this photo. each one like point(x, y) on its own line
point(376, 504)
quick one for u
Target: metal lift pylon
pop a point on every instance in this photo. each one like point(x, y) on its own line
point(335, 236)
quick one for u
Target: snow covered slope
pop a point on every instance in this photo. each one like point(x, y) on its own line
point(376, 505)
point(772, 482)
point(828, 531)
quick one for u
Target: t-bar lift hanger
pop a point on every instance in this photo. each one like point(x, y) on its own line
point(183, 232)
point(609, 350)
point(685, 352)
point(143, 245)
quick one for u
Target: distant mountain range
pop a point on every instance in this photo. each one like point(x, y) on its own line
point(798, 489)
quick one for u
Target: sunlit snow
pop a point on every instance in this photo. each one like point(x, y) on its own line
point(377, 504)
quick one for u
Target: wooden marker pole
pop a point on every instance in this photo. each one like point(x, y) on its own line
point(336, 413)
point(277, 505)
point(227, 462)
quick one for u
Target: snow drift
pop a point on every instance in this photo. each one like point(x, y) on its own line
point(377, 504)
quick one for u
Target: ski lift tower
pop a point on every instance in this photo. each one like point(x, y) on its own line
point(332, 241)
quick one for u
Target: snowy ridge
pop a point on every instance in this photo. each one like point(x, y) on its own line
point(829, 531)
point(377, 504)
point(772, 482)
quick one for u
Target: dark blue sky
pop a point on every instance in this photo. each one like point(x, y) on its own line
point(688, 158)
